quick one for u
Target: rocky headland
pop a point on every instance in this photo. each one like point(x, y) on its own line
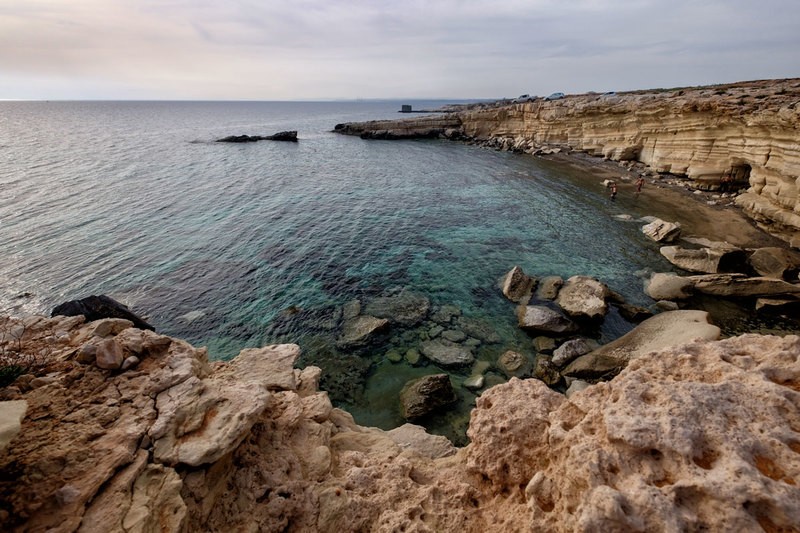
point(741, 136)
point(700, 436)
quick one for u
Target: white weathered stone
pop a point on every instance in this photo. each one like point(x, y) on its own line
point(668, 286)
point(584, 297)
point(662, 231)
point(664, 330)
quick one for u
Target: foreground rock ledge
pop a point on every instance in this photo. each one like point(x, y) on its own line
point(705, 436)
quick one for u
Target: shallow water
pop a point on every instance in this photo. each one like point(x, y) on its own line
point(231, 246)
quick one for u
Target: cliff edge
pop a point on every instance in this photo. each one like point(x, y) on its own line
point(702, 436)
point(745, 134)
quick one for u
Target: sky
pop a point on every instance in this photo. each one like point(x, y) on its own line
point(347, 49)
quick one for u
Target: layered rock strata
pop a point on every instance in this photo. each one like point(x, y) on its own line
point(744, 135)
point(704, 436)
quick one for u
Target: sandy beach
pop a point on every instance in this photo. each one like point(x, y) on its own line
point(665, 199)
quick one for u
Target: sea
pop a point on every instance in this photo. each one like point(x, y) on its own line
point(241, 245)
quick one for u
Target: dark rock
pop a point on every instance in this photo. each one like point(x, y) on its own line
point(517, 285)
point(549, 287)
point(425, 395)
point(406, 308)
point(634, 313)
point(776, 263)
point(570, 350)
point(290, 136)
point(98, 307)
point(544, 344)
point(545, 370)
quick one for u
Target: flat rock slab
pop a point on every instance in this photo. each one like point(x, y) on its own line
point(407, 308)
point(201, 420)
point(662, 231)
point(446, 354)
point(661, 331)
point(413, 437)
point(706, 260)
point(737, 285)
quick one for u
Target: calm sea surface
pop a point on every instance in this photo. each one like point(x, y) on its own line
point(231, 246)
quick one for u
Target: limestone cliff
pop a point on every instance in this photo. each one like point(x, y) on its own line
point(701, 437)
point(749, 131)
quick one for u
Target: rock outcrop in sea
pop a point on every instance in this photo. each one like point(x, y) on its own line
point(701, 436)
point(741, 136)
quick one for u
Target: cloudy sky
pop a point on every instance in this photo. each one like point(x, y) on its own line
point(331, 49)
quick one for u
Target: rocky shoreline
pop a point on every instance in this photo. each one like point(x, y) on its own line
point(106, 425)
point(735, 136)
point(705, 435)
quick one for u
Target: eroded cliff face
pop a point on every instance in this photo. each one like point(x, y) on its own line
point(749, 131)
point(701, 437)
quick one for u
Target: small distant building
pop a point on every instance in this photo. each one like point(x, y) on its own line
point(405, 108)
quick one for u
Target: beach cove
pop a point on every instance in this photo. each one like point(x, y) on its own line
point(182, 441)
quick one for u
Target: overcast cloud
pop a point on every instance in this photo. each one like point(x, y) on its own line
point(315, 49)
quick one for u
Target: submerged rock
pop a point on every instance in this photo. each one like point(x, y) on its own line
point(98, 307)
point(514, 364)
point(406, 308)
point(445, 314)
point(478, 329)
point(424, 395)
point(360, 331)
point(446, 354)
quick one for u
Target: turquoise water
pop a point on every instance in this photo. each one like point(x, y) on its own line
point(242, 245)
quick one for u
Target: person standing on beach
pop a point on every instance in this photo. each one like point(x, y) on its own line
point(639, 184)
point(613, 190)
